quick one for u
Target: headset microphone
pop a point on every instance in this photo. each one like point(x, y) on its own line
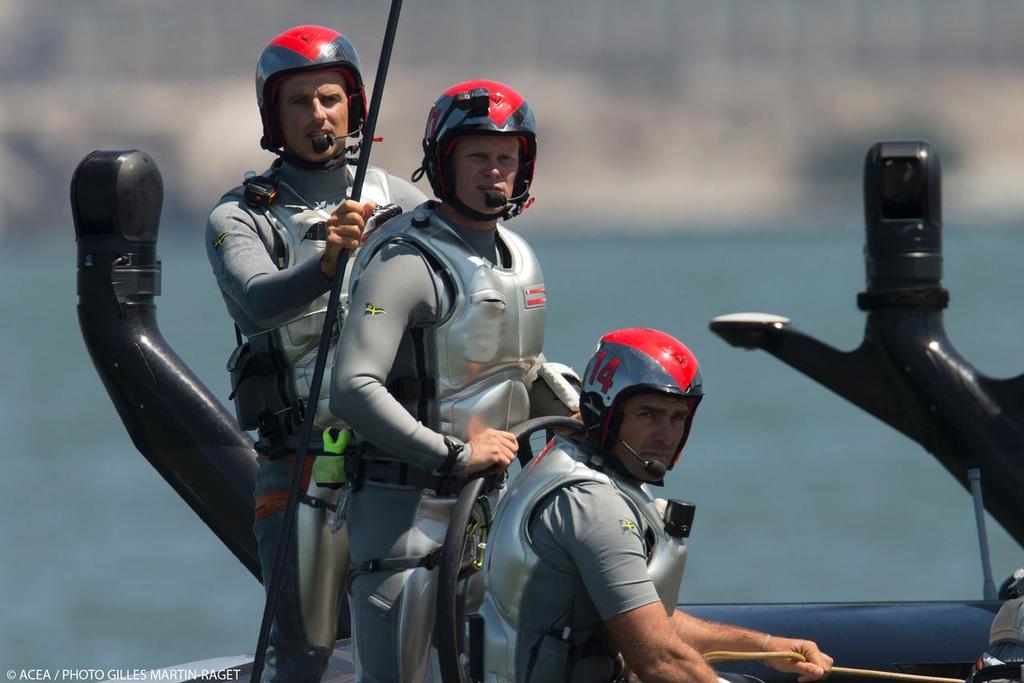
point(651, 467)
point(322, 142)
point(495, 199)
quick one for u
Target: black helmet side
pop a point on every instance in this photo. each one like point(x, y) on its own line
point(306, 48)
point(478, 107)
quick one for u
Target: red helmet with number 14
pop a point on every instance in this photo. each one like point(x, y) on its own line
point(635, 361)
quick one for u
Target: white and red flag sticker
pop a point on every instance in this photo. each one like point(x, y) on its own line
point(536, 296)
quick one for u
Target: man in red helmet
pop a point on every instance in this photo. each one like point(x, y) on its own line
point(274, 243)
point(440, 355)
point(583, 564)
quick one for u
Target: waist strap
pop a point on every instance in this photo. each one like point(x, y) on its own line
point(285, 445)
point(403, 475)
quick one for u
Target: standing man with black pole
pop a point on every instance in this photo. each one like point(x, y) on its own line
point(276, 243)
point(440, 355)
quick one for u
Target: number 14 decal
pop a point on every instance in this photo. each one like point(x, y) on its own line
point(604, 372)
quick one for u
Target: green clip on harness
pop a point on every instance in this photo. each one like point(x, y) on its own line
point(329, 468)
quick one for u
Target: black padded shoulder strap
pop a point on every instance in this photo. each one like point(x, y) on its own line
point(259, 193)
point(423, 387)
point(261, 190)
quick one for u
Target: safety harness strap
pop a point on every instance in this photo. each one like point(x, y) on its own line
point(388, 472)
point(428, 561)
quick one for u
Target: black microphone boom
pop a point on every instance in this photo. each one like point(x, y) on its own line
point(652, 467)
point(305, 434)
point(323, 140)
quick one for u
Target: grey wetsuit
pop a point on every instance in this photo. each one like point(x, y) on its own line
point(401, 290)
point(240, 241)
point(270, 278)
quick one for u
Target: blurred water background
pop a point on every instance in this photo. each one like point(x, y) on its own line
point(697, 158)
point(800, 495)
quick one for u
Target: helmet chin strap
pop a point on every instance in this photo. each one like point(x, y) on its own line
point(517, 204)
point(325, 166)
point(473, 214)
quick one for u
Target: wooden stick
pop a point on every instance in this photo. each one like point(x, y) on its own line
point(722, 656)
point(869, 673)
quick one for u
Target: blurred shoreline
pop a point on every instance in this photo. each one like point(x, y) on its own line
point(732, 116)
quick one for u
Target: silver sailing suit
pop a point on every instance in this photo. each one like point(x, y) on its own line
point(483, 353)
point(511, 559)
point(480, 356)
point(296, 223)
point(305, 624)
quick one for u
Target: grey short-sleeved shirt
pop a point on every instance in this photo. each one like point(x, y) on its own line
point(593, 563)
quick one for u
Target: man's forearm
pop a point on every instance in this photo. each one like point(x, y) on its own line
point(707, 636)
point(249, 277)
point(276, 297)
point(652, 651)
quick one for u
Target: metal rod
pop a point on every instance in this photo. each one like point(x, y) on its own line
point(989, 587)
point(331, 315)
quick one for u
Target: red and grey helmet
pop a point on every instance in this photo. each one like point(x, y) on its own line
point(306, 48)
point(478, 108)
point(630, 362)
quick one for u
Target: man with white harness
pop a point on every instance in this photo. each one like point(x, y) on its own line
point(439, 356)
point(274, 243)
point(583, 565)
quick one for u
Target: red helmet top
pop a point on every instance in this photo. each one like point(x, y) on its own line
point(478, 107)
point(306, 48)
point(634, 361)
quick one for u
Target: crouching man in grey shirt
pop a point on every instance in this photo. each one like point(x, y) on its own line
point(583, 565)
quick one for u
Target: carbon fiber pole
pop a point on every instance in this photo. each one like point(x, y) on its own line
point(305, 434)
point(988, 589)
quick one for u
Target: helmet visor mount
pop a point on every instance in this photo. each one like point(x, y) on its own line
point(476, 102)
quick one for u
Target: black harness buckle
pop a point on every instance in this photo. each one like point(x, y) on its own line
point(260, 192)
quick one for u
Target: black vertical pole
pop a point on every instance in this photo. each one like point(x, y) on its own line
point(321, 356)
